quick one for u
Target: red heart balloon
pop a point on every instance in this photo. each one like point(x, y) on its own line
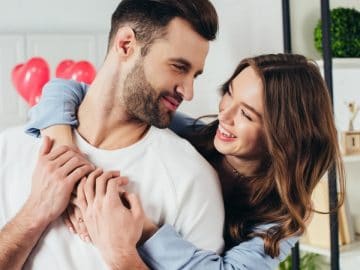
point(63, 68)
point(82, 71)
point(29, 79)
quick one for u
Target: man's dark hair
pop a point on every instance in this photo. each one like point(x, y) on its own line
point(149, 18)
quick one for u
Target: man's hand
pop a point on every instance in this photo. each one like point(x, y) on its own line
point(114, 221)
point(53, 180)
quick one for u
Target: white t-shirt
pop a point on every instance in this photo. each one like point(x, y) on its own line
point(176, 186)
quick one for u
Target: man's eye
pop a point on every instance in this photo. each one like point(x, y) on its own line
point(180, 68)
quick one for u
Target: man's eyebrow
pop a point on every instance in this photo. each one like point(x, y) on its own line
point(181, 61)
point(186, 63)
point(248, 106)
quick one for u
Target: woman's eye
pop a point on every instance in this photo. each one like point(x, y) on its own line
point(246, 115)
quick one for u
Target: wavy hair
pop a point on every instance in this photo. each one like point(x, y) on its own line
point(302, 145)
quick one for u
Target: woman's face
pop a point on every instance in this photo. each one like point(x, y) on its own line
point(240, 132)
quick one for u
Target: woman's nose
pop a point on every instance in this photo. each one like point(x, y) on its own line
point(226, 115)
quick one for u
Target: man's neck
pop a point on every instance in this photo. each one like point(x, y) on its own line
point(103, 121)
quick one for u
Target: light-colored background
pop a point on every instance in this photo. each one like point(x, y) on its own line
point(77, 29)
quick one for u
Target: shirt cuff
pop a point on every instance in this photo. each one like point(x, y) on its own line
point(166, 245)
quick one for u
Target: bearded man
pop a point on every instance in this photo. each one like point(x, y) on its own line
point(156, 49)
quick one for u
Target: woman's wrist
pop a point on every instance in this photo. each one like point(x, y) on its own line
point(148, 231)
point(61, 134)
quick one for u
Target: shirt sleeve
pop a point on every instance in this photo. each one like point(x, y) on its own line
point(58, 105)
point(167, 250)
point(183, 125)
point(200, 216)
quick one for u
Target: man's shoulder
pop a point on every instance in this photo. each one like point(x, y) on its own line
point(171, 146)
point(180, 157)
point(15, 144)
point(15, 135)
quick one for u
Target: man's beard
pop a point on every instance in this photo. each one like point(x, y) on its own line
point(142, 101)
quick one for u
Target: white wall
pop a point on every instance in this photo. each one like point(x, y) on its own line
point(247, 27)
point(55, 15)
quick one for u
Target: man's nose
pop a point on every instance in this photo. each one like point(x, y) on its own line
point(186, 89)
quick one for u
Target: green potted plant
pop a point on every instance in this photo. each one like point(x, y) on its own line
point(308, 261)
point(345, 33)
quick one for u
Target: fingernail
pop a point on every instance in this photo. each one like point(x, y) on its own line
point(71, 230)
point(82, 237)
point(87, 238)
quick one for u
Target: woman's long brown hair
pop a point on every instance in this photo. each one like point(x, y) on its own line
point(302, 145)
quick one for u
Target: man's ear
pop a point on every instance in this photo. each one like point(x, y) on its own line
point(125, 42)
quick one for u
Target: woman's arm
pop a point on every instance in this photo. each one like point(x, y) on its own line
point(55, 113)
point(167, 250)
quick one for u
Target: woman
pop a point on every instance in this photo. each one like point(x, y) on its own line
point(272, 142)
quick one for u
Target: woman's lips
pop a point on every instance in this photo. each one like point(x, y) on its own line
point(225, 135)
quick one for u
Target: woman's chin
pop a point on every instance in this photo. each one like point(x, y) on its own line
point(221, 147)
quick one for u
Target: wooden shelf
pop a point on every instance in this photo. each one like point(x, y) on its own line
point(342, 62)
point(351, 158)
point(345, 250)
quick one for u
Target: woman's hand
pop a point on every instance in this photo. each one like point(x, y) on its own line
point(73, 219)
point(114, 220)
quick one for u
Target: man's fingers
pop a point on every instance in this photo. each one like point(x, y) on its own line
point(63, 159)
point(46, 146)
point(102, 182)
point(114, 193)
point(89, 188)
point(80, 199)
point(74, 162)
point(122, 181)
point(116, 185)
point(135, 205)
point(79, 173)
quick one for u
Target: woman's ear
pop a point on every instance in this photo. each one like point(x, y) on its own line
point(125, 42)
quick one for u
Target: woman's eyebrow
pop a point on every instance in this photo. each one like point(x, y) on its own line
point(249, 107)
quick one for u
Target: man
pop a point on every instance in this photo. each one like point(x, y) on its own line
point(156, 49)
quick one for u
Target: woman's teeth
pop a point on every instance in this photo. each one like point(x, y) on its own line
point(226, 133)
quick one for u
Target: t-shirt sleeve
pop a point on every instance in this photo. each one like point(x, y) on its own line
point(168, 250)
point(200, 218)
point(58, 105)
point(2, 165)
